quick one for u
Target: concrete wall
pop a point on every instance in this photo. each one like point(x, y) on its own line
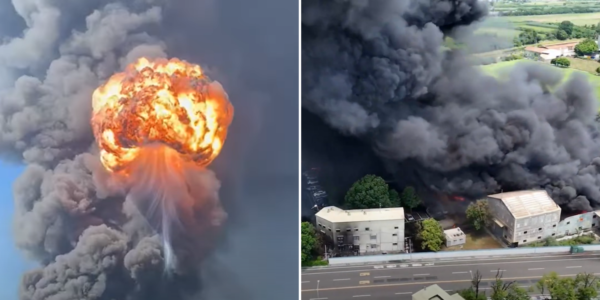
point(573, 224)
point(450, 255)
point(536, 228)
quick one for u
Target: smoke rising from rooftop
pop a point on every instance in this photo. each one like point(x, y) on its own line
point(376, 70)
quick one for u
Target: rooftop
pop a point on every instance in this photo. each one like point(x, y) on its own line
point(454, 232)
point(527, 203)
point(435, 292)
point(337, 215)
point(537, 50)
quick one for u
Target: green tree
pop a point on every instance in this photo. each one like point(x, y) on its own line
point(395, 198)
point(309, 241)
point(567, 27)
point(368, 192)
point(586, 47)
point(562, 35)
point(558, 288)
point(587, 286)
point(474, 292)
point(409, 198)
point(478, 214)
point(598, 70)
point(562, 62)
point(501, 290)
point(431, 235)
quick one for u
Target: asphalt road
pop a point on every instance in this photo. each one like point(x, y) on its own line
point(400, 281)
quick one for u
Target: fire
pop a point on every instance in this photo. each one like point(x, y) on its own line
point(169, 102)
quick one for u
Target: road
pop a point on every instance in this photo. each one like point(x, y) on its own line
point(400, 281)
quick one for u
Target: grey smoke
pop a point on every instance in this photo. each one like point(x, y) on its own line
point(443, 124)
point(93, 245)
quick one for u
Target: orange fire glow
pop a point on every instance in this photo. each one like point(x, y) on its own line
point(169, 102)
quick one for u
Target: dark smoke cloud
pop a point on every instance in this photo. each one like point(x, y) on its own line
point(376, 70)
point(92, 245)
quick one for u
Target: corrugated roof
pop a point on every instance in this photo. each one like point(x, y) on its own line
point(537, 50)
point(337, 215)
point(435, 292)
point(527, 203)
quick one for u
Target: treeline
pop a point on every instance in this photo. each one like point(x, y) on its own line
point(550, 10)
point(565, 30)
point(584, 286)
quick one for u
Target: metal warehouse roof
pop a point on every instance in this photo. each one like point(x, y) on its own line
point(337, 215)
point(527, 203)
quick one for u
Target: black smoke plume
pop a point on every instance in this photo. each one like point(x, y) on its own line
point(377, 70)
point(93, 245)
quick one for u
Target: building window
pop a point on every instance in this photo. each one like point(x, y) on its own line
point(395, 244)
point(568, 223)
point(553, 234)
point(329, 229)
point(540, 229)
point(337, 230)
point(594, 216)
point(356, 238)
point(366, 228)
point(396, 227)
point(524, 232)
point(373, 246)
point(594, 225)
point(554, 225)
point(539, 237)
point(347, 229)
point(355, 229)
point(373, 237)
point(524, 241)
point(394, 234)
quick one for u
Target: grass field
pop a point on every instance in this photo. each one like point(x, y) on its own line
point(577, 19)
point(499, 69)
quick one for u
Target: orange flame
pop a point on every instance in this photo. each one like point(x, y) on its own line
point(170, 102)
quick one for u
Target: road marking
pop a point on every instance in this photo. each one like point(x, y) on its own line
point(364, 282)
point(403, 265)
point(318, 298)
point(404, 293)
point(426, 283)
point(390, 266)
point(571, 267)
point(382, 276)
point(497, 270)
point(532, 269)
point(365, 274)
point(429, 264)
point(357, 296)
point(455, 265)
point(460, 272)
point(421, 275)
point(416, 265)
point(305, 281)
point(341, 279)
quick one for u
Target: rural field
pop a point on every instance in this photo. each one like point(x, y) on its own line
point(577, 19)
point(499, 69)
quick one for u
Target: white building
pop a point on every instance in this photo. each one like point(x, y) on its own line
point(455, 237)
point(523, 217)
point(372, 231)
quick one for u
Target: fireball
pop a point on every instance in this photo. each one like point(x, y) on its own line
point(167, 102)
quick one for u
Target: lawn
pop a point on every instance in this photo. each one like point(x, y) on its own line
point(577, 19)
point(577, 65)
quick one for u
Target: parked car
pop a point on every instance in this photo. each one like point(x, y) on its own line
point(409, 217)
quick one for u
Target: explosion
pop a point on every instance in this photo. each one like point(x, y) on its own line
point(169, 102)
point(158, 125)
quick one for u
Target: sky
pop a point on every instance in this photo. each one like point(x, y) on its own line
point(12, 262)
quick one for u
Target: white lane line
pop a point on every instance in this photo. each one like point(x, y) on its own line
point(341, 279)
point(305, 281)
point(497, 270)
point(420, 274)
point(358, 296)
point(460, 272)
point(318, 298)
point(571, 267)
point(532, 269)
point(382, 276)
point(404, 293)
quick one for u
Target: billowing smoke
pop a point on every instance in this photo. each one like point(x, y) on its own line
point(377, 70)
point(93, 244)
